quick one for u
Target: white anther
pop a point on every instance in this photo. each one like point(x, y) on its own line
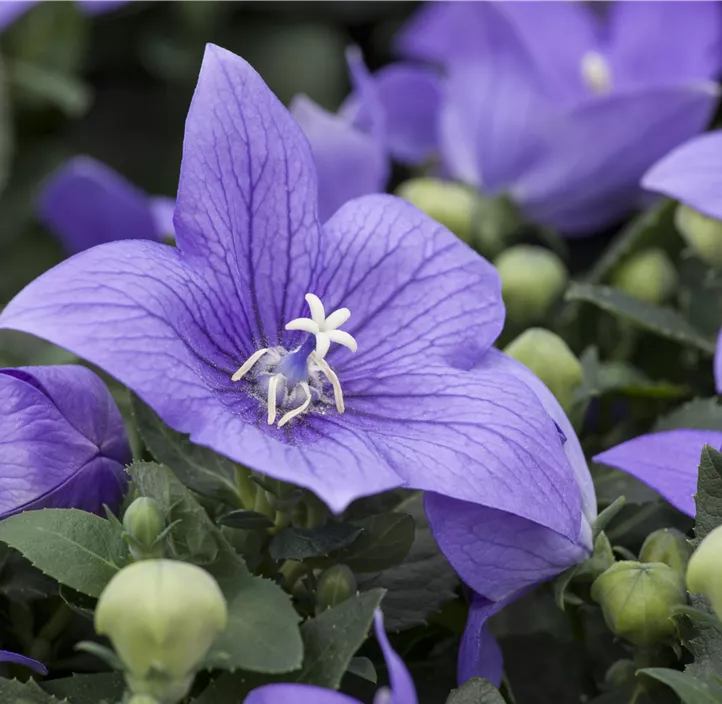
point(335, 383)
point(325, 329)
point(272, 390)
point(296, 411)
point(246, 366)
point(596, 72)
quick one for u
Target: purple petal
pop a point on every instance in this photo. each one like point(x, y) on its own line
point(162, 209)
point(246, 213)
point(85, 203)
point(718, 364)
point(412, 287)
point(11, 11)
point(479, 653)
point(296, 694)
point(411, 99)
point(34, 665)
point(691, 173)
point(592, 159)
point(63, 438)
point(667, 462)
point(100, 7)
point(402, 686)
point(663, 42)
point(350, 163)
point(496, 552)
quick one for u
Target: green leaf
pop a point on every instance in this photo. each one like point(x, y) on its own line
point(709, 493)
point(102, 688)
point(76, 548)
point(6, 130)
point(690, 690)
point(664, 322)
point(201, 469)
point(247, 520)
point(331, 639)
point(20, 581)
point(262, 633)
point(300, 543)
point(363, 668)
point(607, 516)
point(646, 229)
point(476, 691)
point(698, 414)
point(422, 583)
point(14, 692)
point(385, 542)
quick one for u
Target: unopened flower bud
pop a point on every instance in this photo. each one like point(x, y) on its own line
point(648, 276)
point(550, 358)
point(532, 279)
point(667, 545)
point(162, 617)
point(334, 586)
point(704, 572)
point(450, 204)
point(637, 600)
point(143, 699)
point(702, 233)
point(143, 522)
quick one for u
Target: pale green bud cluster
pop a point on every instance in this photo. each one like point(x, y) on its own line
point(648, 276)
point(667, 545)
point(144, 526)
point(704, 572)
point(550, 358)
point(335, 585)
point(162, 617)
point(532, 279)
point(702, 233)
point(637, 600)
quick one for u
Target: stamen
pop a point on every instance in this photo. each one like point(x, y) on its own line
point(330, 374)
point(272, 388)
point(596, 72)
point(246, 366)
point(296, 411)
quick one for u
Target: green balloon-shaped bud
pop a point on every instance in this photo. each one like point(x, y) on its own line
point(143, 699)
point(532, 279)
point(648, 275)
point(550, 358)
point(144, 523)
point(704, 572)
point(162, 617)
point(450, 204)
point(702, 233)
point(667, 545)
point(637, 600)
point(334, 586)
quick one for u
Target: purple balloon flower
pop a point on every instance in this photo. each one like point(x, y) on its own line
point(561, 110)
point(86, 203)
point(15, 659)
point(391, 114)
point(11, 10)
point(214, 336)
point(63, 441)
point(402, 689)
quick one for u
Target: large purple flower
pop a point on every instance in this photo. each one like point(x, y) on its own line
point(561, 110)
point(213, 334)
point(402, 689)
point(391, 114)
point(85, 203)
point(11, 10)
point(63, 441)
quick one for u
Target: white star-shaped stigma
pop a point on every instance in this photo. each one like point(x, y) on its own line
point(325, 329)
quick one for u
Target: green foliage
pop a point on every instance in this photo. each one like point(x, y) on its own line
point(302, 543)
point(691, 690)
point(103, 688)
point(476, 691)
point(12, 691)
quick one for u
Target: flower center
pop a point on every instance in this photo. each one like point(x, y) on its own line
point(596, 73)
point(294, 380)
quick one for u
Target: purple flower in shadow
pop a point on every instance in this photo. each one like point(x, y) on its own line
point(562, 110)
point(11, 10)
point(85, 203)
point(402, 689)
point(63, 441)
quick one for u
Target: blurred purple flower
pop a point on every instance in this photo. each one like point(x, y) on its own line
point(63, 439)
point(15, 659)
point(667, 462)
point(402, 689)
point(11, 10)
point(391, 114)
point(85, 203)
point(211, 334)
point(562, 110)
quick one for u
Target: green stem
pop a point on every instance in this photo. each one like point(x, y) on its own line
point(246, 488)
